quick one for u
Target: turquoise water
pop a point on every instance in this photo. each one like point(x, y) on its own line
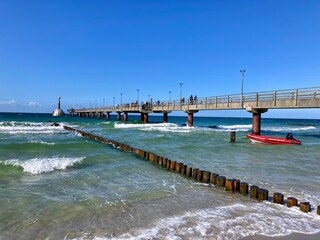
point(55, 184)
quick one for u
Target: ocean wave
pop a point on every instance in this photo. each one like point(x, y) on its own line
point(29, 128)
point(171, 127)
point(42, 165)
point(42, 142)
point(288, 129)
point(229, 222)
point(237, 128)
point(163, 127)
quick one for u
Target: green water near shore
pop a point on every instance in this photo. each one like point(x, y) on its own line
point(56, 184)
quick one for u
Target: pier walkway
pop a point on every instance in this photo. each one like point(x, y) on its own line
point(255, 102)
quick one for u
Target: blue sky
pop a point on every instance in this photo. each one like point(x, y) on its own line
point(87, 51)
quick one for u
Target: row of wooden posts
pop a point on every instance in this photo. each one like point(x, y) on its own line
point(207, 177)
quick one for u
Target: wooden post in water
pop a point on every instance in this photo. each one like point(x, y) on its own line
point(165, 164)
point(291, 201)
point(188, 171)
point(173, 165)
point(168, 164)
point(183, 169)
point(254, 192)
point(278, 198)
point(206, 176)
point(236, 185)
point(221, 181)
point(156, 159)
point(305, 206)
point(263, 194)
point(199, 175)
point(318, 210)
point(244, 188)
point(232, 136)
point(214, 178)
point(229, 184)
point(194, 173)
point(178, 167)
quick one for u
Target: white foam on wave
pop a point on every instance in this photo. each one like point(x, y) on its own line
point(288, 129)
point(238, 128)
point(43, 165)
point(163, 127)
point(229, 222)
point(42, 142)
point(29, 128)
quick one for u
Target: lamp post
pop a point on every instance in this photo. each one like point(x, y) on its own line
point(169, 96)
point(104, 103)
point(114, 103)
point(138, 95)
point(181, 94)
point(121, 99)
point(242, 72)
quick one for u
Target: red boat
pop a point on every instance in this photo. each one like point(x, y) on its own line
point(273, 140)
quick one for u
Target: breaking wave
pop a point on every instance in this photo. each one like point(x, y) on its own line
point(29, 128)
point(229, 223)
point(163, 127)
point(43, 165)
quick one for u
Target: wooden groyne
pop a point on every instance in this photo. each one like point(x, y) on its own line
point(202, 176)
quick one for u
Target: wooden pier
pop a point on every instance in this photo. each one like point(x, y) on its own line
point(255, 103)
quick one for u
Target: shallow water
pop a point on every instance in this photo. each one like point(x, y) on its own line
point(56, 184)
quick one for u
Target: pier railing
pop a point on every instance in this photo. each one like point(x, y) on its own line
point(288, 98)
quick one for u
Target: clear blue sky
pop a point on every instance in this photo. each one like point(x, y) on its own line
point(87, 51)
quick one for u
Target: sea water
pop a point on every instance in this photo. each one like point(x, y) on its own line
point(55, 184)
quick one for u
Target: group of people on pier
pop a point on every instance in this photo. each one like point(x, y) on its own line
point(192, 100)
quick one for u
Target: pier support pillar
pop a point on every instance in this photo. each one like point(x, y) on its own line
point(190, 117)
point(119, 116)
point(142, 116)
point(87, 114)
point(125, 116)
point(256, 119)
point(165, 117)
point(107, 115)
point(100, 115)
point(93, 114)
point(145, 118)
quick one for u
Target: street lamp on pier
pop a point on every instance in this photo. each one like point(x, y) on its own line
point(138, 95)
point(169, 96)
point(181, 94)
point(242, 72)
point(121, 99)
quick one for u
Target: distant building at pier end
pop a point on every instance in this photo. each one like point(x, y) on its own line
point(58, 112)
